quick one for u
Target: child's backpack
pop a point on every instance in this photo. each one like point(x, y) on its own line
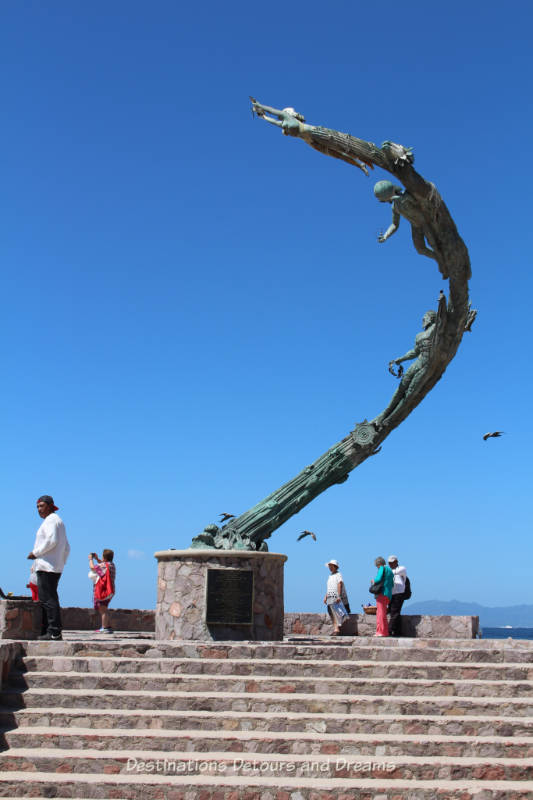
point(103, 589)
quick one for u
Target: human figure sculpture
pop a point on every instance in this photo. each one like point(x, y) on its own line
point(288, 119)
point(417, 372)
point(293, 124)
point(404, 205)
point(434, 236)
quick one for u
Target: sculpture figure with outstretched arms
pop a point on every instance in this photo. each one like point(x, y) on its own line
point(434, 235)
point(404, 205)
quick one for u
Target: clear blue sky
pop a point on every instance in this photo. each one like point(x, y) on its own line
point(195, 307)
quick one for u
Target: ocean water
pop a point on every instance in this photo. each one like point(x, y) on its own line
point(506, 633)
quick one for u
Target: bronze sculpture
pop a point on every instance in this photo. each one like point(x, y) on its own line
point(404, 205)
point(424, 344)
point(434, 235)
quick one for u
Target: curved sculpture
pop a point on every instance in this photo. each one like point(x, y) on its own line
point(434, 235)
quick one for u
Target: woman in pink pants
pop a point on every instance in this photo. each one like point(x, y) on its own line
point(386, 576)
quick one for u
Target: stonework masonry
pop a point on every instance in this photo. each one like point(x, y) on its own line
point(352, 718)
point(182, 599)
point(21, 619)
point(413, 626)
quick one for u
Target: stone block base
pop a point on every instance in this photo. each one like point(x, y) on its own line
point(182, 598)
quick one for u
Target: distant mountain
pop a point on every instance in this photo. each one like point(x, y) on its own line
point(517, 616)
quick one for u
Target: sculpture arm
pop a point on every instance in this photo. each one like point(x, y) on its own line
point(291, 123)
point(393, 227)
point(260, 109)
point(271, 120)
point(414, 353)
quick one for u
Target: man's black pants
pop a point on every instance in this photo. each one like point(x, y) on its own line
point(47, 588)
point(395, 609)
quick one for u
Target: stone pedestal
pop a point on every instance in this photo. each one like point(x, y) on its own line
point(20, 618)
point(219, 594)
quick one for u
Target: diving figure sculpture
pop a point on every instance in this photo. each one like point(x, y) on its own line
point(434, 235)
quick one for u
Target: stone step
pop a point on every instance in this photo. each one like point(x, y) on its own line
point(514, 651)
point(280, 667)
point(365, 719)
point(294, 766)
point(271, 722)
point(252, 787)
point(391, 686)
point(127, 740)
point(262, 701)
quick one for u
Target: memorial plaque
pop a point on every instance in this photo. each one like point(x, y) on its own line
point(229, 597)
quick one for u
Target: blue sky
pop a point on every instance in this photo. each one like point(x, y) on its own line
point(196, 307)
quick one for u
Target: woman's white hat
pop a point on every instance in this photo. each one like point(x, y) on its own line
point(332, 561)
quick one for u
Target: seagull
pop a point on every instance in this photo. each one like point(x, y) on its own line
point(224, 516)
point(304, 534)
point(494, 434)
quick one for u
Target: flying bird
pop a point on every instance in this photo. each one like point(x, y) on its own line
point(224, 516)
point(493, 434)
point(306, 533)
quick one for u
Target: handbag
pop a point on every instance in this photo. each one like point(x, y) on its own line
point(377, 586)
point(339, 611)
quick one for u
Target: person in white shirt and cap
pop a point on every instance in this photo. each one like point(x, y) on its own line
point(398, 596)
point(50, 553)
point(335, 590)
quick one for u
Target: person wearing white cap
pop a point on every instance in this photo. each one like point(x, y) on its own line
point(398, 596)
point(335, 591)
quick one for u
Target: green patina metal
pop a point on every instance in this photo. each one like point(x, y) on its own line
point(434, 235)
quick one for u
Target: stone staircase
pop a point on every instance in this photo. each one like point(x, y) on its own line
point(379, 719)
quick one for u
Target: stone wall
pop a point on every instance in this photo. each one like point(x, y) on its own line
point(413, 625)
point(19, 618)
point(122, 619)
point(9, 652)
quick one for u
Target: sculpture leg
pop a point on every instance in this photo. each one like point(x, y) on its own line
point(415, 378)
point(397, 398)
point(410, 380)
point(399, 395)
point(419, 241)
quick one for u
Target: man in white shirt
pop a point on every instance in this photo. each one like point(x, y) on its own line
point(50, 553)
point(398, 596)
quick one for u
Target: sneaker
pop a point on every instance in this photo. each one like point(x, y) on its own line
point(50, 637)
point(104, 630)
